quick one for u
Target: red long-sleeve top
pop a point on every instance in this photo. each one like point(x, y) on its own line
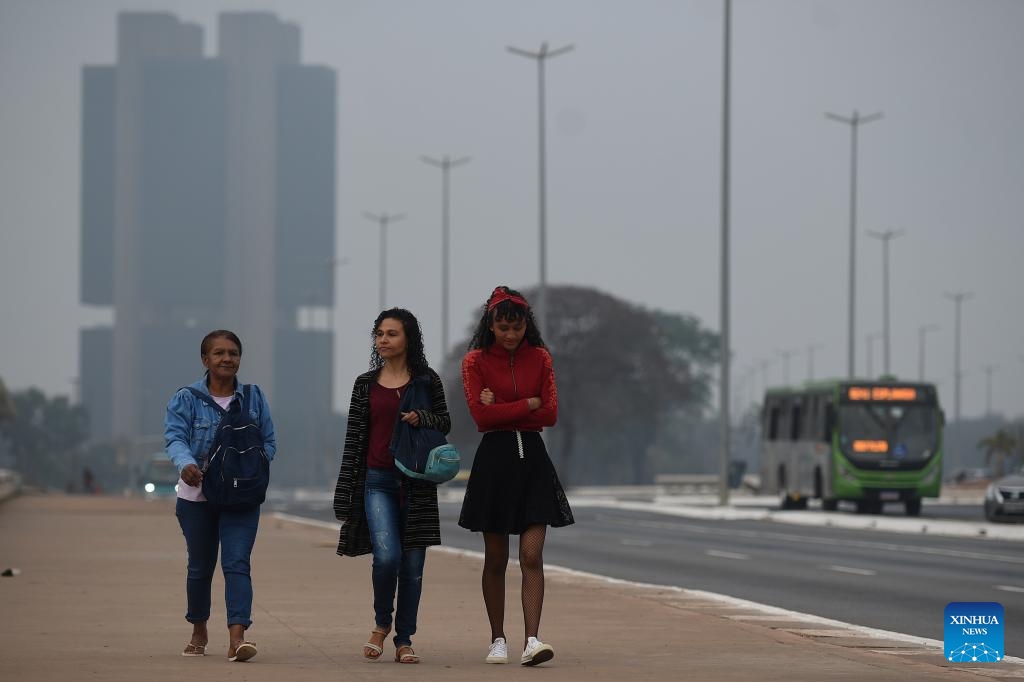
point(513, 378)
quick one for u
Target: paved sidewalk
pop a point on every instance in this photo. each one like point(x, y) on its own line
point(100, 596)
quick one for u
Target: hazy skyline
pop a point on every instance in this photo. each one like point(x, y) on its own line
point(633, 168)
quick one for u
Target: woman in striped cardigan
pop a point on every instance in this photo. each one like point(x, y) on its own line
point(374, 501)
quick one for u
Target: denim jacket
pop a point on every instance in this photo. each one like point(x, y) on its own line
point(190, 424)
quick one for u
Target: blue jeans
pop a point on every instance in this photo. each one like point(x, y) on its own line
point(206, 527)
point(387, 508)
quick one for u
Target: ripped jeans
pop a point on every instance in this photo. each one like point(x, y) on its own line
point(387, 509)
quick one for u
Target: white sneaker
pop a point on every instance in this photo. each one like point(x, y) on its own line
point(536, 652)
point(498, 651)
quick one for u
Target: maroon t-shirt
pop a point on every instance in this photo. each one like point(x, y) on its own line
point(384, 404)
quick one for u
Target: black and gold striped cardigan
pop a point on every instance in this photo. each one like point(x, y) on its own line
point(423, 528)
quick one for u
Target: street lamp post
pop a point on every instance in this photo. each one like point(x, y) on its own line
point(869, 340)
point(382, 220)
point(988, 369)
point(786, 355)
point(810, 359)
point(854, 122)
point(445, 164)
point(921, 331)
point(542, 292)
point(885, 237)
point(958, 298)
point(725, 434)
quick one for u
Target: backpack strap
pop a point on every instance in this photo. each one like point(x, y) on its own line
point(208, 399)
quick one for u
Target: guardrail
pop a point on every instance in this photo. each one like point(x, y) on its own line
point(703, 484)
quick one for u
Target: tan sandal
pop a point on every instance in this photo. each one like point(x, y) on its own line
point(408, 657)
point(373, 651)
point(194, 650)
point(243, 652)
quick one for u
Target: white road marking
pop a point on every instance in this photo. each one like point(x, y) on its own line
point(631, 542)
point(1009, 588)
point(726, 555)
point(854, 571)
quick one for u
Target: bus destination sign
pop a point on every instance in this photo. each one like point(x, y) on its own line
point(903, 394)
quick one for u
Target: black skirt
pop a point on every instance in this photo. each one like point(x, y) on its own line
point(513, 485)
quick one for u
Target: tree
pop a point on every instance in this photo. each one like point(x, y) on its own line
point(623, 373)
point(999, 446)
point(44, 435)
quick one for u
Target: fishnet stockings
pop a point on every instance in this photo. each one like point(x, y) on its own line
point(492, 582)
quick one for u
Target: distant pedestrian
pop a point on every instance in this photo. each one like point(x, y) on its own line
point(513, 489)
point(383, 511)
point(190, 428)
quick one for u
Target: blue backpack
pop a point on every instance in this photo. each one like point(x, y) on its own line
point(237, 471)
point(421, 452)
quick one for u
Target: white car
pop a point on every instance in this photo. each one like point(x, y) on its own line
point(1004, 498)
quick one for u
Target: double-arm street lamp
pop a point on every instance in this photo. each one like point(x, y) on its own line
point(540, 57)
point(921, 331)
point(445, 163)
point(958, 298)
point(885, 237)
point(383, 220)
point(854, 122)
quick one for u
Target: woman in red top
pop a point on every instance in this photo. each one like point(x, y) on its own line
point(513, 488)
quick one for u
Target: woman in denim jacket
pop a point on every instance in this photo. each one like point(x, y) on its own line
point(189, 429)
point(382, 511)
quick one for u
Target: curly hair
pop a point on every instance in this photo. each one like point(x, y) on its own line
point(510, 311)
point(415, 357)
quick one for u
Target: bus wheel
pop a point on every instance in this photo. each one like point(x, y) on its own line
point(913, 507)
point(830, 505)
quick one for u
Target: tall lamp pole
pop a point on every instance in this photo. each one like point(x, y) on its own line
point(810, 359)
point(854, 122)
point(988, 369)
point(724, 347)
point(869, 341)
point(958, 298)
point(885, 237)
point(786, 355)
point(540, 56)
point(383, 220)
point(445, 164)
point(921, 331)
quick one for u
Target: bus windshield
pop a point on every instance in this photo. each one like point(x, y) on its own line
point(888, 430)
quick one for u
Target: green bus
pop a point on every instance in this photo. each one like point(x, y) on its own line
point(868, 442)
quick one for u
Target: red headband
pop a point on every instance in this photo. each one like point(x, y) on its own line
point(499, 295)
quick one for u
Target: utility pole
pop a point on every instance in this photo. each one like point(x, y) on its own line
point(921, 331)
point(854, 122)
point(540, 56)
point(885, 238)
point(445, 164)
point(382, 220)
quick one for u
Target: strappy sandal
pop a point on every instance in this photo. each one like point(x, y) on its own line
point(373, 651)
point(408, 657)
point(194, 650)
point(243, 652)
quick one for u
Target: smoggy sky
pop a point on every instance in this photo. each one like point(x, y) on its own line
point(634, 120)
